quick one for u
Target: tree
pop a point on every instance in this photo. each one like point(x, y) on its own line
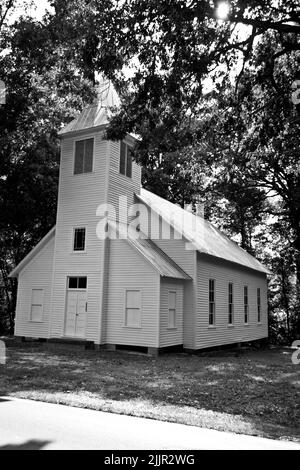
point(255, 127)
point(42, 92)
point(234, 147)
point(6, 7)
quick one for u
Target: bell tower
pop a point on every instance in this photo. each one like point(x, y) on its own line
point(93, 171)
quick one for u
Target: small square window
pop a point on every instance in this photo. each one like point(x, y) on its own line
point(73, 282)
point(76, 282)
point(82, 283)
point(79, 239)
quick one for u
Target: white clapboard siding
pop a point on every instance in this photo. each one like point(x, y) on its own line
point(105, 290)
point(171, 336)
point(37, 274)
point(79, 197)
point(223, 273)
point(121, 185)
point(130, 271)
point(186, 259)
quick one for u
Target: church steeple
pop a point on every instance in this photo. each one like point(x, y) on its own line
point(107, 97)
point(98, 113)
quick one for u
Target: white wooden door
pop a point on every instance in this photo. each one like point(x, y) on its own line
point(81, 314)
point(76, 313)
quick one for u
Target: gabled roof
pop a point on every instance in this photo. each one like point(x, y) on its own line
point(90, 117)
point(151, 252)
point(98, 113)
point(204, 236)
point(160, 261)
point(32, 253)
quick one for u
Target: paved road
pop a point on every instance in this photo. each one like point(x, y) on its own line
point(26, 424)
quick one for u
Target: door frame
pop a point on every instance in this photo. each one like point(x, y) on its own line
point(67, 289)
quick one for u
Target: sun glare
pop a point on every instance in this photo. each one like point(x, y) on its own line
point(223, 10)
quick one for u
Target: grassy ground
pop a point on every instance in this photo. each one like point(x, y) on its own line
point(251, 392)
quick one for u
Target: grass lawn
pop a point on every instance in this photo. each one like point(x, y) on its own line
point(251, 392)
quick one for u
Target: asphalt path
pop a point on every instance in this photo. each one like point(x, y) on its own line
point(27, 424)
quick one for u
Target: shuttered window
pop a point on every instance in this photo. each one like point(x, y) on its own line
point(172, 310)
point(133, 308)
point(83, 156)
point(212, 304)
point(79, 239)
point(230, 303)
point(125, 160)
point(258, 306)
point(37, 300)
point(246, 305)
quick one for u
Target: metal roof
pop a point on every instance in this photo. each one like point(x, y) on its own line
point(98, 113)
point(204, 236)
point(90, 117)
point(151, 252)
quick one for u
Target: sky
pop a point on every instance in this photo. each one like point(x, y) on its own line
point(36, 9)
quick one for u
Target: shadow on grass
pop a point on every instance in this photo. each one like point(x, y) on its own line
point(28, 445)
point(253, 388)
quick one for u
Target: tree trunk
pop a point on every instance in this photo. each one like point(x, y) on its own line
point(286, 302)
point(297, 307)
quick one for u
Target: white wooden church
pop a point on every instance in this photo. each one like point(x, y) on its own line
point(194, 288)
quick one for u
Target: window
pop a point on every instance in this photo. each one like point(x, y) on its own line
point(79, 239)
point(37, 298)
point(258, 306)
point(172, 310)
point(133, 309)
point(230, 303)
point(77, 282)
point(83, 156)
point(125, 160)
point(212, 306)
point(246, 305)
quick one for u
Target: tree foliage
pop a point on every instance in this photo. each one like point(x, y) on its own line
point(43, 91)
point(212, 101)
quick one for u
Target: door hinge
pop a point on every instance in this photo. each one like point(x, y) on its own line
point(86, 306)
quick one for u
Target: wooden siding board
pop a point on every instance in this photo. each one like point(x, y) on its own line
point(176, 248)
point(105, 291)
point(128, 270)
point(160, 261)
point(37, 274)
point(120, 185)
point(223, 273)
point(186, 259)
point(79, 197)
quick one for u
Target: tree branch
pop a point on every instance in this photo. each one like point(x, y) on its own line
point(286, 26)
point(9, 5)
